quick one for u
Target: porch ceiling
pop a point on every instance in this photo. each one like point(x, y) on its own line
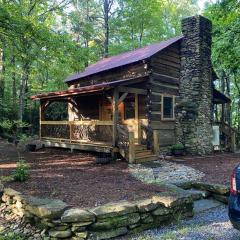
point(88, 89)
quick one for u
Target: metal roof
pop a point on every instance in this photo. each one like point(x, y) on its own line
point(87, 89)
point(123, 59)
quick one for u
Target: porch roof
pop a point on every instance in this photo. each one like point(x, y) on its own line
point(88, 89)
point(220, 98)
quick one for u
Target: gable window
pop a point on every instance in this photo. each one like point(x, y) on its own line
point(168, 107)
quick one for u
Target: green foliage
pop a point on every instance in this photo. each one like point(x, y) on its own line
point(21, 173)
point(178, 146)
point(13, 127)
point(12, 236)
point(226, 52)
point(42, 42)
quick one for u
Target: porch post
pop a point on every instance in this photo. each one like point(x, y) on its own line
point(115, 116)
point(41, 115)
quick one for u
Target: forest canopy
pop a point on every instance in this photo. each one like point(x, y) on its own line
point(42, 42)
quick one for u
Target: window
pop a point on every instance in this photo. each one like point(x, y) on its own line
point(168, 108)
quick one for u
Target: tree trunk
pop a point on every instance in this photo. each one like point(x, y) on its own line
point(3, 70)
point(23, 86)
point(106, 11)
point(14, 89)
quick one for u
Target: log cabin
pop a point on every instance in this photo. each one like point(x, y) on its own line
point(140, 102)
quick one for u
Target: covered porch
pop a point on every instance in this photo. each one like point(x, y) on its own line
point(109, 117)
point(223, 133)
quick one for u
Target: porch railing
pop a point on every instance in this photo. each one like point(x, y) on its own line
point(77, 131)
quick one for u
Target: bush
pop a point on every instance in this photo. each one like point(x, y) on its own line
point(12, 236)
point(21, 173)
point(178, 146)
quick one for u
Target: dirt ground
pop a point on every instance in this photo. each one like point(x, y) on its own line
point(217, 167)
point(73, 177)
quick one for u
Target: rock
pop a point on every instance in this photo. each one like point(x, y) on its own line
point(77, 215)
point(45, 208)
point(8, 195)
point(146, 205)
point(197, 194)
point(141, 228)
point(171, 200)
point(220, 198)
point(114, 209)
point(214, 188)
point(79, 227)
point(160, 211)
point(60, 227)
point(1, 189)
point(60, 234)
point(82, 235)
point(115, 222)
point(184, 185)
point(147, 218)
point(109, 234)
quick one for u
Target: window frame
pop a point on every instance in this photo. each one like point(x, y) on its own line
point(173, 118)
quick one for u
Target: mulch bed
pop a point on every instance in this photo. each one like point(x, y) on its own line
point(74, 177)
point(217, 168)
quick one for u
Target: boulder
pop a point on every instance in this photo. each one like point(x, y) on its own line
point(213, 188)
point(115, 222)
point(114, 209)
point(45, 208)
point(109, 234)
point(60, 234)
point(74, 215)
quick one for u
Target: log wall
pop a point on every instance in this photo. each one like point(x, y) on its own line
point(164, 80)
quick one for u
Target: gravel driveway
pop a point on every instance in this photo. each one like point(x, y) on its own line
point(210, 225)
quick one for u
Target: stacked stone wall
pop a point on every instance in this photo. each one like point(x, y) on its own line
point(194, 110)
point(59, 221)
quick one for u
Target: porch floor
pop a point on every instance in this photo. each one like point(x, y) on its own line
point(86, 146)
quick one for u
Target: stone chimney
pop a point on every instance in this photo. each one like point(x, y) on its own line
point(194, 108)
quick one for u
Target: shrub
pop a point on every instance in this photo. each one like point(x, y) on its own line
point(21, 173)
point(12, 236)
point(178, 146)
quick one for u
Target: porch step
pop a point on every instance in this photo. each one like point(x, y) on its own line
point(143, 153)
point(139, 147)
point(146, 159)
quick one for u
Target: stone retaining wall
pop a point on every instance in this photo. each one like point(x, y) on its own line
point(217, 191)
point(103, 222)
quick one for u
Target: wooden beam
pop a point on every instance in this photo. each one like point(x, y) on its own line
point(131, 149)
point(115, 116)
point(133, 90)
point(122, 98)
point(109, 98)
point(155, 142)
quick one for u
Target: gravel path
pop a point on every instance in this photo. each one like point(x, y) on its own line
point(211, 225)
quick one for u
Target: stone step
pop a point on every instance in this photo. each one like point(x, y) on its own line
point(205, 205)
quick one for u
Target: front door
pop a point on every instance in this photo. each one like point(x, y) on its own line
point(128, 113)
